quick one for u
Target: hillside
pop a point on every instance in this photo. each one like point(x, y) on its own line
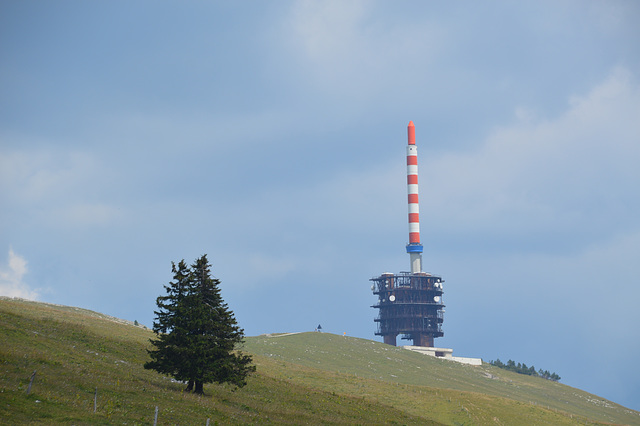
point(307, 378)
point(420, 384)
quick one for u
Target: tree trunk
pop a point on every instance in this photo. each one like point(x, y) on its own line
point(199, 390)
point(189, 386)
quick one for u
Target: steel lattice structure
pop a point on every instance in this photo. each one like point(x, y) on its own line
point(410, 305)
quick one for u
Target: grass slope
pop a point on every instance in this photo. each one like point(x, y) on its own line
point(474, 387)
point(308, 378)
point(74, 351)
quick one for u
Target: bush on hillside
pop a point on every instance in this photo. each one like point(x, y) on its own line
point(523, 369)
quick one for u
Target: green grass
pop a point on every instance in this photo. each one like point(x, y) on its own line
point(307, 378)
point(74, 351)
point(414, 372)
point(421, 385)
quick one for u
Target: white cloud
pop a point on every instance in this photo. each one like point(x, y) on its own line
point(354, 49)
point(329, 29)
point(56, 187)
point(573, 173)
point(86, 214)
point(11, 275)
point(35, 175)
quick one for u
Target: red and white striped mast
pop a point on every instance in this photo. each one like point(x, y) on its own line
point(414, 248)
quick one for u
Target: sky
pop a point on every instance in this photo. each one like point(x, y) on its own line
point(271, 136)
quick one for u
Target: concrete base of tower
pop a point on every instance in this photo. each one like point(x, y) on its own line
point(444, 353)
point(422, 340)
point(390, 339)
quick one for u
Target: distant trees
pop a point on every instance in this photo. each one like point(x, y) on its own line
point(523, 369)
point(196, 333)
point(549, 376)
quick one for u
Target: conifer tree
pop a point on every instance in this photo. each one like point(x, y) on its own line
point(170, 335)
point(197, 334)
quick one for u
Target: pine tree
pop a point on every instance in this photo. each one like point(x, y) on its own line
point(197, 334)
point(171, 336)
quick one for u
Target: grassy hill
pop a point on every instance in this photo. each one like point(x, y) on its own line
point(307, 378)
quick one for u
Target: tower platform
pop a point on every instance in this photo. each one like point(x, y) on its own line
point(444, 353)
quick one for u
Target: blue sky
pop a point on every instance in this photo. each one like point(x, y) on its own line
point(271, 136)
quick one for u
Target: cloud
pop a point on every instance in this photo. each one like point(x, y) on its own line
point(86, 214)
point(11, 275)
point(351, 50)
point(68, 189)
point(564, 176)
point(36, 175)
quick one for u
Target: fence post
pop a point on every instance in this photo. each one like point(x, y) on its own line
point(33, 375)
point(155, 418)
point(95, 400)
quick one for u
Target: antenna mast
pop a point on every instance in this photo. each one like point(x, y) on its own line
point(410, 303)
point(414, 248)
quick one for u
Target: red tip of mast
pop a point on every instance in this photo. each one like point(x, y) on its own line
point(411, 132)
